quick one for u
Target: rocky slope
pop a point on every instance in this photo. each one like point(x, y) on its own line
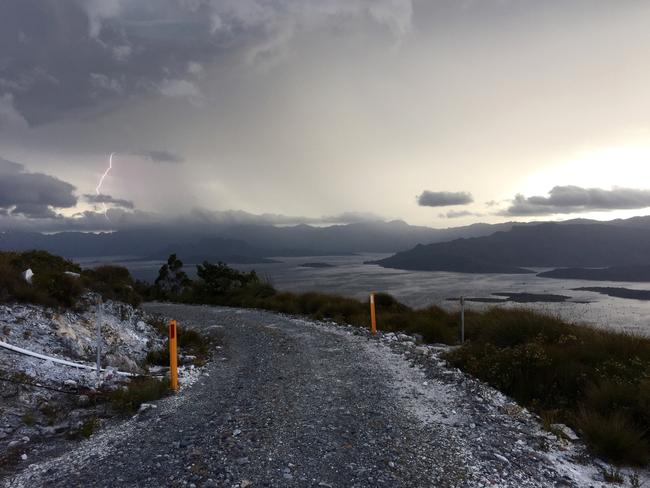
point(41, 401)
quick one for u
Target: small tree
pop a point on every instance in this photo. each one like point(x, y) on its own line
point(220, 279)
point(172, 280)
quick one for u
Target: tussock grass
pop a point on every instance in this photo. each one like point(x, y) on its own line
point(189, 341)
point(52, 287)
point(127, 400)
point(594, 380)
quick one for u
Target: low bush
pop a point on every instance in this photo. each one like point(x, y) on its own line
point(594, 380)
point(128, 399)
point(52, 286)
point(113, 283)
point(189, 341)
point(614, 437)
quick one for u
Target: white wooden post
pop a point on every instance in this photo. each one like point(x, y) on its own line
point(462, 320)
point(100, 319)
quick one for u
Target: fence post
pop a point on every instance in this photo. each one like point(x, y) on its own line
point(173, 366)
point(100, 319)
point(462, 320)
point(373, 317)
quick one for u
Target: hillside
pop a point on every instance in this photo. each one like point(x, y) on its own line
point(544, 245)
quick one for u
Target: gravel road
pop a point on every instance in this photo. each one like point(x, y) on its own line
point(290, 403)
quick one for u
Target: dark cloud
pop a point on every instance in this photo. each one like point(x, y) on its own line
point(59, 57)
point(574, 199)
point(158, 156)
point(32, 194)
point(101, 198)
point(34, 211)
point(121, 218)
point(444, 198)
point(351, 217)
point(457, 214)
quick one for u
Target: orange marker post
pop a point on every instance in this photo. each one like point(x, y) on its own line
point(373, 317)
point(173, 357)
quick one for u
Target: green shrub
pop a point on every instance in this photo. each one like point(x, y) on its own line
point(113, 283)
point(50, 285)
point(189, 341)
point(614, 437)
point(140, 390)
point(63, 289)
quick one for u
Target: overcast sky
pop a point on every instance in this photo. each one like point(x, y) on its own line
point(437, 112)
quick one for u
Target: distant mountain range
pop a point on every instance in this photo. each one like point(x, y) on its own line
point(479, 248)
point(569, 244)
point(242, 243)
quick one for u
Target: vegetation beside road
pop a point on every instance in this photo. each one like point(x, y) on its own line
point(596, 381)
point(58, 282)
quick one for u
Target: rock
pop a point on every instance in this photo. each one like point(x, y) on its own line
point(62, 427)
point(23, 457)
point(501, 458)
point(565, 431)
point(70, 383)
point(83, 400)
point(47, 431)
point(141, 326)
point(236, 432)
point(145, 407)
point(242, 460)
point(422, 350)
point(28, 275)
point(245, 483)
point(8, 390)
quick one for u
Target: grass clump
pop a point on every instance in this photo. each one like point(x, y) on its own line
point(614, 437)
point(189, 341)
point(596, 381)
point(127, 400)
point(54, 286)
point(113, 283)
point(28, 419)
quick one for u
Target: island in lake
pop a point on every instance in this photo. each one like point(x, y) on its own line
point(640, 273)
point(618, 292)
point(317, 265)
point(517, 298)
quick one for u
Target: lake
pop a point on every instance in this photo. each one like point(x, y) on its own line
point(349, 276)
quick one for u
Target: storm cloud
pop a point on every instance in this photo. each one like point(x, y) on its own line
point(458, 214)
point(292, 110)
point(117, 202)
point(158, 156)
point(32, 194)
point(63, 57)
point(574, 199)
point(443, 198)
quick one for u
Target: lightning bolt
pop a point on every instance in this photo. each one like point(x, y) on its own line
point(101, 182)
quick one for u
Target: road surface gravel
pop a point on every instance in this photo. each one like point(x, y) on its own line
point(291, 403)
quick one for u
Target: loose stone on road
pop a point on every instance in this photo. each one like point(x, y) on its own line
point(287, 402)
